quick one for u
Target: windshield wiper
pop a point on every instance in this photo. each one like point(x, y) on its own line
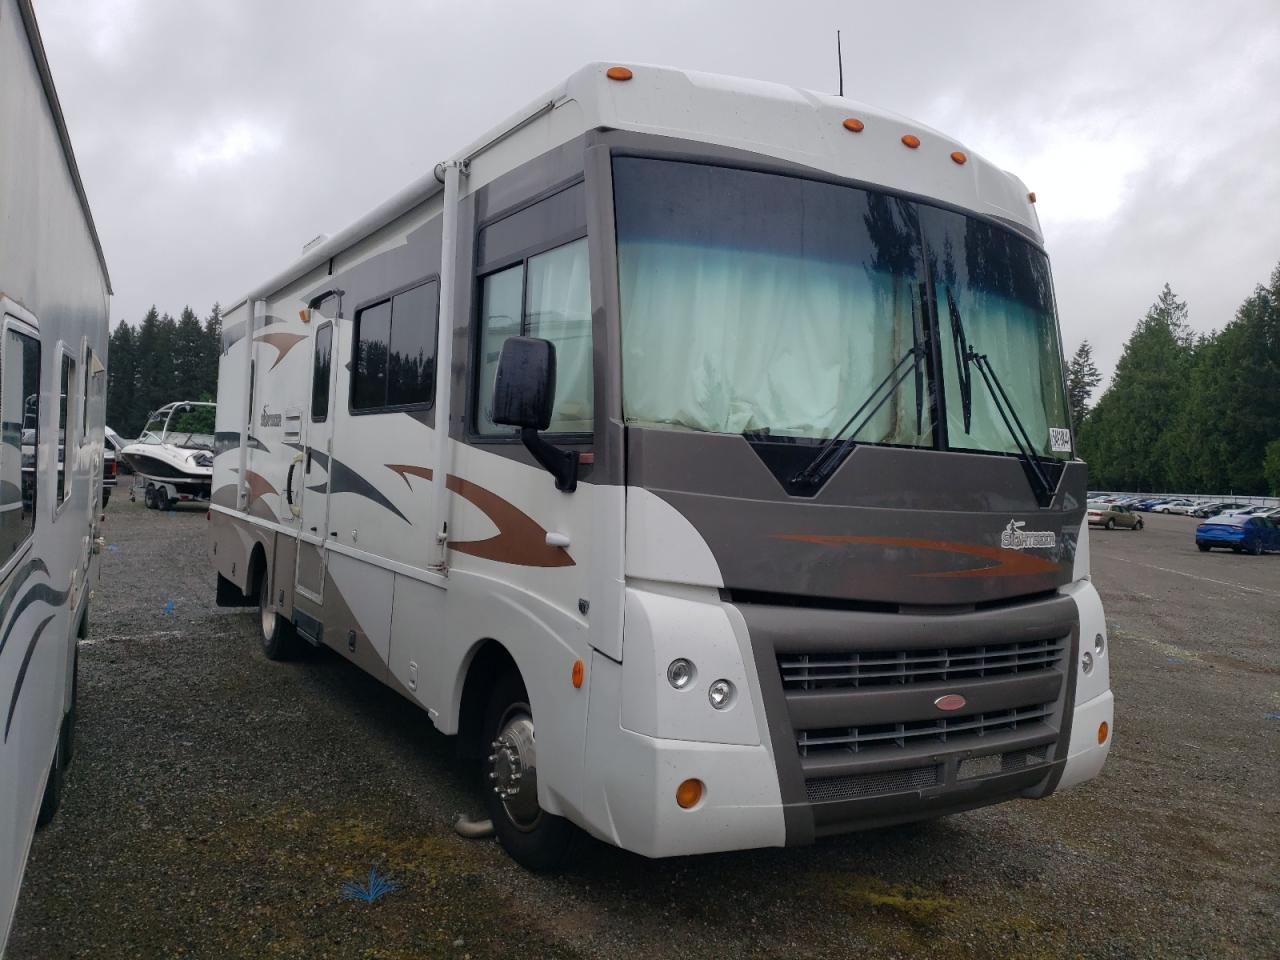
point(832, 451)
point(967, 356)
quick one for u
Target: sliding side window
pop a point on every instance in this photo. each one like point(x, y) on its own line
point(66, 428)
point(20, 413)
point(322, 365)
point(535, 281)
point(394, 343)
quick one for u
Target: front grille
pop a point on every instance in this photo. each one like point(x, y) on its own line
point(882, 668)
point(889, 737)
point(870, 784)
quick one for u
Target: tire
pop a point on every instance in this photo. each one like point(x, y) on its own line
point(535, 839)
point(53, 787)
point(149, 497)
point(1256, 550)
point(1138, 526)
point(1204, 547)
point(162, 499)
point(278, 636)
point(1111, 523)
point(106, 495)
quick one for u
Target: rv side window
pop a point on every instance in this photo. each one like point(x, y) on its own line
point(320, 373)
point(394, 347)
point(66, 428)
point(20, 413)
point(546, 296)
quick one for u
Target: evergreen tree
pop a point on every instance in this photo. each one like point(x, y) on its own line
point(122, 379)
point(1082, 377)
point(1271, 467)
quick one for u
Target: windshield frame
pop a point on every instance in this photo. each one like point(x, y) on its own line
point(936, 402)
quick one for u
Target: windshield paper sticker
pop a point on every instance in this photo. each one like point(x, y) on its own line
point(1060, 439)
point(1015, 538)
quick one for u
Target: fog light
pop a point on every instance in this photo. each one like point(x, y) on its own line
point(1098, 644)
point(689, 793)
point(1103, 730)
point(1086, 662)
point(720, 694)
point(680, 673)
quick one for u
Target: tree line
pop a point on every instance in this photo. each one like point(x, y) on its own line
point(158, 361)
point(1186, 412)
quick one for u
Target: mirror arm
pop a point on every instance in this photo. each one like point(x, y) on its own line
point(561, 464)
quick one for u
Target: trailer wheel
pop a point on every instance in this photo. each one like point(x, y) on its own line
point(535, 839)
point(279, 638)
point(149, 497)
point(162, 499)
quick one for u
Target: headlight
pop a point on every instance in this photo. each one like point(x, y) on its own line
point(720, 694)
point(680, 674)
point(1086, 662)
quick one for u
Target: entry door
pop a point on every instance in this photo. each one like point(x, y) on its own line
point(313, 468)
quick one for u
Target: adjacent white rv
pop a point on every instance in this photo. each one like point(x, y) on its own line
point(54, 292)
point(697, 451)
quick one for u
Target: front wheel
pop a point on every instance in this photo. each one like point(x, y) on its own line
point(1257, 548)
point(1138, 526)
point(149, 497)
point(535, 839)
point(1111, 523)
point(1204, 547)
point(279, 638)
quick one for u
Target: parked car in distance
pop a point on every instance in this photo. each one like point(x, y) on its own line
point(1271, 512)
point(1177, 505)
point(1149, 504)
point(1249, 511)
point(1112, 515)
point(116, 443)
point(1254, 535)
point(1212, 509)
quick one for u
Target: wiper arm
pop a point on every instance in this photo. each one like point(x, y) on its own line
point(832, 450)
point(965, 356)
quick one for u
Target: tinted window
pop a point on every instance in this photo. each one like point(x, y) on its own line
point(19, 408)
point(65, 432)
point(411, 370)
point(395, 349)
point(369, 373)
point(320, 370)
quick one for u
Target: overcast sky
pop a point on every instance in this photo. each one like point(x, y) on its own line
point(215, 137)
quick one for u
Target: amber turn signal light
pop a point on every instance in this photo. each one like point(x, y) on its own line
point(854, 125)
point(1103, 730)
point(618, 73)
point(911, 140)
point(688, 794)
point(1031, 197)
point(579, 672)
point(958, 156)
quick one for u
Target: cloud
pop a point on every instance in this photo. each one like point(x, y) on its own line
point(245, 128)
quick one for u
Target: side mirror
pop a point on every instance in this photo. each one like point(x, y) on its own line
point(524, 392)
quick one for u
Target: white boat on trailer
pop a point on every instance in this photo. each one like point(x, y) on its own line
point(173, 457)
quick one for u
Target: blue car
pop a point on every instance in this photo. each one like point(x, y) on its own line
point(1254, 535)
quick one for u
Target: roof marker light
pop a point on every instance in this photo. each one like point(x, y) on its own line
point(958, 156)
point(911, 140)
point(618, 73)
point(1031, 197)
point(854, 125)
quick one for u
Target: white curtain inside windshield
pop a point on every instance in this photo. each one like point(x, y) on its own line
point(765, 304)
point(1004, 308)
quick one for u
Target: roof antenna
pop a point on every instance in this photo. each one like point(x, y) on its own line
point(840, 63)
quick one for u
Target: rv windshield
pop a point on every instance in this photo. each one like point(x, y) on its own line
point(773, 305)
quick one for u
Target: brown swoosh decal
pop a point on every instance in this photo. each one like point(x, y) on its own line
point(407, 470)
point(519, 540)
point(283, 342)
point(259, 486)
point(1006, 563)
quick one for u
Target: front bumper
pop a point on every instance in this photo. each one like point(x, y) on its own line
point(766, 787)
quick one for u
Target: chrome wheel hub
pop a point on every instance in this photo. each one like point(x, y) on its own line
point(513, 768)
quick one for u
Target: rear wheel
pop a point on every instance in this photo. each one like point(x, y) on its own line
point(1256, 550)
point(535, 839)
point(162, 499)
point(149, 497)
point(62, 751)
point(1138, 525)
point(1111, 523)
point(279, 638)
point(1204, 547)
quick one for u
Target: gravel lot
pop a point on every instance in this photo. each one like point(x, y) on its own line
point(218, 802)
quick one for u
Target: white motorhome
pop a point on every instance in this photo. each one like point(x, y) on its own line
point(715, 430)
point(54, 293)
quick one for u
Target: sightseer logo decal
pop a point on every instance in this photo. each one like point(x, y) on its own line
point(1015, 538)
